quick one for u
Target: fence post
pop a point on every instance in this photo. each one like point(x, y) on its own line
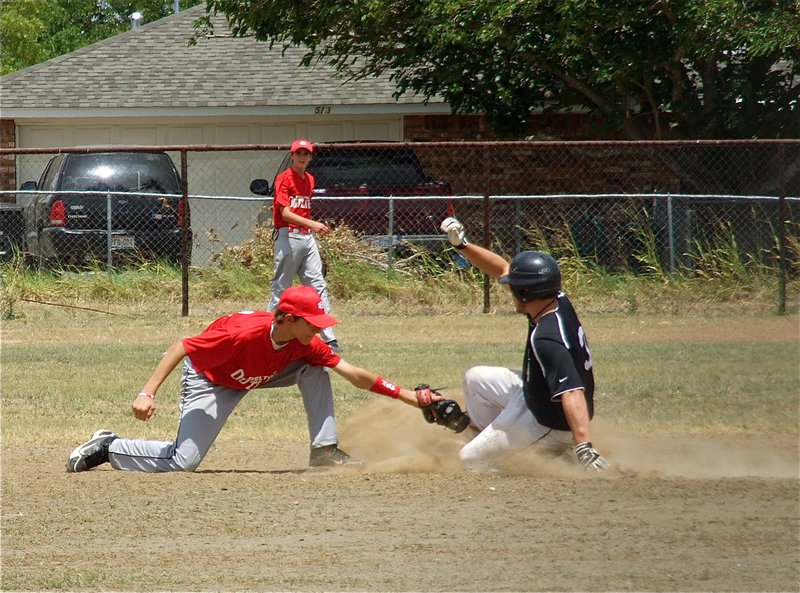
point(185, 233)
point(670, 235)
point(487, 239)
point(390, 252)
point(782, 233)
point(109, 260)
point(487, 231)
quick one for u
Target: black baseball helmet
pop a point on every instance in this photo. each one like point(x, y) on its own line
point(533, 275)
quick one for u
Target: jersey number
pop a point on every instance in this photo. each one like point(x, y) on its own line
point(585, 345)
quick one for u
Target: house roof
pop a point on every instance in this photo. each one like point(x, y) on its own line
point(151, 69)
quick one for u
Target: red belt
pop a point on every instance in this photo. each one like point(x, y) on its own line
point(300, 230)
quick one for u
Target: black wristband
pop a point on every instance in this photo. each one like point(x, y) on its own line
point(464, 244)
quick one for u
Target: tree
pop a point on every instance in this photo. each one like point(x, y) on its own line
point(33, 31)
point(657, 69)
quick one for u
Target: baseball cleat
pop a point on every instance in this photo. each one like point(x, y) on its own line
point(334, 345)
point(92, 453)
point(331, 456)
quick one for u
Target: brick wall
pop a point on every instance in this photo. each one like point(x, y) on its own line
point(454, 128)
point(8, 171)
point(544, 168)
point(532, 169)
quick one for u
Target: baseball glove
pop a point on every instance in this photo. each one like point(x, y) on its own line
point(445, 412)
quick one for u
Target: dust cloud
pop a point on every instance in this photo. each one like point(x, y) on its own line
point(392, 437)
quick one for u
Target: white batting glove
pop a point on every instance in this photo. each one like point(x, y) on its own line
point(589, 458)
point(455, 232)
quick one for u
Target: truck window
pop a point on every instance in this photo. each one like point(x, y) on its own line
point(141, 171)
point(50, 174)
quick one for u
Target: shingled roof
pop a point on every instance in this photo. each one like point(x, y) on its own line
point(153, 68)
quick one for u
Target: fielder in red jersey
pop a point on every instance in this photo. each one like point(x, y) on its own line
point(296, 253)
point(235, 354)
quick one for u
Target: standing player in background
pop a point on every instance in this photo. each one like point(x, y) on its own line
point(296, 249)
point(550, 402)
point(235, 354)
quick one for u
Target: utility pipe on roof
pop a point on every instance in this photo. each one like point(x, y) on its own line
point(136, 19)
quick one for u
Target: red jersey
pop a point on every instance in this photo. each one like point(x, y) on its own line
point(236, 351)
point(293, 191)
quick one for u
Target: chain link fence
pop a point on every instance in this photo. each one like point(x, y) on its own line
point(620, 205)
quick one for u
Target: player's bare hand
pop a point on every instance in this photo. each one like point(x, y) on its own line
point(320, 227)
point(144, 407)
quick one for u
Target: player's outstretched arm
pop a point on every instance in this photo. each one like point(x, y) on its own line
point(364, 379)
point(486, 261)
point(144, 406)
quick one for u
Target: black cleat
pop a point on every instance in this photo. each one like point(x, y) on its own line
point(331, 456)
point(334, 345)
point(92, 453)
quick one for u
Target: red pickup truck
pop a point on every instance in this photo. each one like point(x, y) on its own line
point(370, 187)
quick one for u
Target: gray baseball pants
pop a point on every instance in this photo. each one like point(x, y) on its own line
point(205, 407)
point(297, 254)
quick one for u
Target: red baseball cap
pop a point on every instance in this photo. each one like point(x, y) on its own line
point(298, 144)
point(304, 301)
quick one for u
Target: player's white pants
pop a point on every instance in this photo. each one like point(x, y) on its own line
point(205, 406)
point(297, 254)
point(496, 405)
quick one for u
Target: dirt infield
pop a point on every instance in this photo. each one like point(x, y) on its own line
point(677, 514)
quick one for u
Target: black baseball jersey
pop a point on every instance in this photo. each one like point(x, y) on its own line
point(557, 360)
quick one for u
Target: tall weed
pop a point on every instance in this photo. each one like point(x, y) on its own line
point(718, 274)
point(418, 280)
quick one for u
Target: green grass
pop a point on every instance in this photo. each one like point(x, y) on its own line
point(67, 373)
point(700, 387)
point(77, 346)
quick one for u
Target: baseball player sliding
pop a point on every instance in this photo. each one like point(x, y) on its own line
point(235, 354)
point(550, 402)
